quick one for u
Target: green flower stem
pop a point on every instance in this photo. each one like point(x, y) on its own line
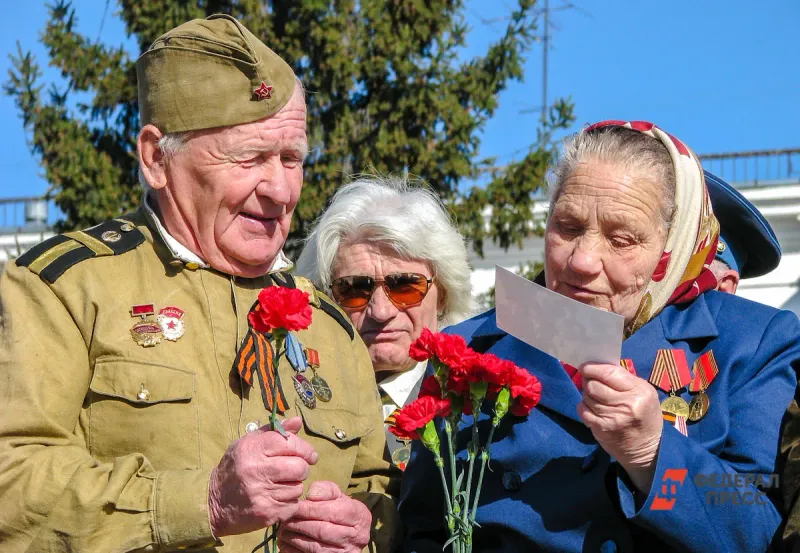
point(472, 453)
point(484, 461)
point(280, 337)
point(453, 509)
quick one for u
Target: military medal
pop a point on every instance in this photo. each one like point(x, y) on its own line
point(171, 321)
point(699, 406)
point(321, 388)
point(402, 455)
point(671, 373)
point(305, 390)
point(705, 371)
point(295, 354)
point(675, 405)
point(147, 332)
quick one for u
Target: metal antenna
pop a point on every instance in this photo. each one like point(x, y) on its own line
point(546, 44)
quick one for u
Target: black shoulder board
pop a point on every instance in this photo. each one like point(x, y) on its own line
point(51, 258)
point(329, 307)
point(320, 300)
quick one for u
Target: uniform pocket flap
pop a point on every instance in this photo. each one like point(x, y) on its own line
point(141, 382)
point(335, 425)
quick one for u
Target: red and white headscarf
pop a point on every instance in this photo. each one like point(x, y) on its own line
point(683, 273)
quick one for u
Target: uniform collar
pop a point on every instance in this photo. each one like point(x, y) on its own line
point(399, 385)
point(180, 253)
point(688, 321)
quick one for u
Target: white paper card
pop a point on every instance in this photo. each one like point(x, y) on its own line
point(567, 329)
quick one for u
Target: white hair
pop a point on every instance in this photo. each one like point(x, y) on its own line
point(718, 268)
point(628, 148)
point(408, 218)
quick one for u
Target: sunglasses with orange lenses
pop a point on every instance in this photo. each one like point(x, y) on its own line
point(402, 289)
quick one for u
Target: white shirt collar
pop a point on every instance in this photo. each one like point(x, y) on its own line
point(399, 385)
point(179, 251)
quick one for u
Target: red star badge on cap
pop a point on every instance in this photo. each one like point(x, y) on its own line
point(263, 92)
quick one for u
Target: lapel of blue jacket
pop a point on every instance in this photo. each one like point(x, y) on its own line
point(676, 323)
point(559, 393)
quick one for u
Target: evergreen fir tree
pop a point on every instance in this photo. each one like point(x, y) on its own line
point(386, 92)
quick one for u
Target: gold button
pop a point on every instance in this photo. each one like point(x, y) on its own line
point(721, 247)
point(126, 227)
point(177, 263)
point(144, 394)
point(340, 434)
point(111, 236)
point(251, 427)
point(192, 266)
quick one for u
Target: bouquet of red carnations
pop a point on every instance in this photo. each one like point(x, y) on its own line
point(462, 380)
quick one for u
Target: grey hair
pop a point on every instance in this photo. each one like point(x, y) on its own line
point(718, 267)
point(633, 150)
point(405, 216)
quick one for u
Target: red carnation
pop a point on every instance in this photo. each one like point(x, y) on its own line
point(430, 387)
point(494, 371)
point(452, 350)
point(422, 348)
point(525, 390)
point(280, 307)
point(458, 382)
point(417, 414)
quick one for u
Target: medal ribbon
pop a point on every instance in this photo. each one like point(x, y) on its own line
point(256, 356)
point(705, 370)
point(671, 370)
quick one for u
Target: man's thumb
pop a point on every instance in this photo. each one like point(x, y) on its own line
point(322, 490)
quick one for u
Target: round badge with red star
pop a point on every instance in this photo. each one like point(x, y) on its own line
point(171, 321)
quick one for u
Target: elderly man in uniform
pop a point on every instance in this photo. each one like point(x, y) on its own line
point(124, 424)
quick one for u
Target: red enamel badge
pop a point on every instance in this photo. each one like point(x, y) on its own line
point(263, 92)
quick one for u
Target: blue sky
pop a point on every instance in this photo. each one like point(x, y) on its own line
point(721, 75)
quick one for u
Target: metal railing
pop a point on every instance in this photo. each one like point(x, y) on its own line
point(26, 214)
point(755, 168)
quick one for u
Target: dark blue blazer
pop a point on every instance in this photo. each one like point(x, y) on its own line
point(552, 488)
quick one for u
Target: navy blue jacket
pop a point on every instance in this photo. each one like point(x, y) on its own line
point(552, 488)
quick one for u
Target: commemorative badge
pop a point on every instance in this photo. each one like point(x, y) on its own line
point(305, 390)
point(147, 332)
point(170, 319)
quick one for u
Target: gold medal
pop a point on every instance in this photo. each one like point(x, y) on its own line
point(147, 333)
point(401, 455)
point(675, 405)
point(699, 406)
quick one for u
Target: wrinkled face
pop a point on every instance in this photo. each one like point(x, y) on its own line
point(231, 193)
point(605, 237)
point(387, 330)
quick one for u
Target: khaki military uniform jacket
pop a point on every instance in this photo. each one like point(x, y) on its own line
point(108, 446)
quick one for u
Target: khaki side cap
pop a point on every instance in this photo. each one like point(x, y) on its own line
point(204, 74)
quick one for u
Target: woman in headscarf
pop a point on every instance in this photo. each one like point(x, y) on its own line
point(676, 457)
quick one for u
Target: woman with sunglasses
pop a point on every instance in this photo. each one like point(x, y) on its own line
point(676, 457)
point(390, 256)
